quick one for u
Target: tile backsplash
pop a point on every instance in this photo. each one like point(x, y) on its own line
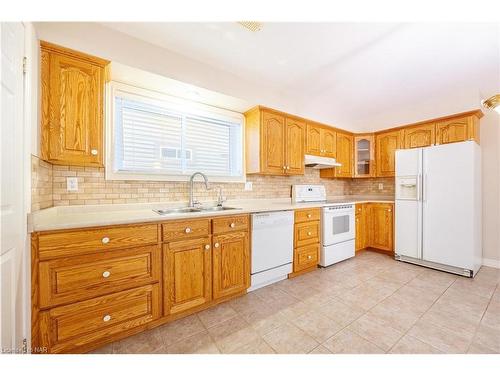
point(49, 187)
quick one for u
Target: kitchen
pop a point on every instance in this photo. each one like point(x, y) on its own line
point(169, 218)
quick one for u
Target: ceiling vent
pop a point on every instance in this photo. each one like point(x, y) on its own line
point(251, 25)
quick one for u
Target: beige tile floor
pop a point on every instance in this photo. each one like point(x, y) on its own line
point(368, 304)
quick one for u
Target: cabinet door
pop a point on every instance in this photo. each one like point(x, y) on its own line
point(361, 230)
point(344, 155)
point(313, 141)
point(420, 136)
point(187, 274)
point(231, 264)
point(295, 144)
point(273, 143)
point(328, 143)
point(386, 145)
point(456, 130)
point(364, 156)
point(72, 92)
point(381, 218)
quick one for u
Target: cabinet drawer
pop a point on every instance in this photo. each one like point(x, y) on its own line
point(77, 278)
point(306, 257)
point(230, 224)
point(87, 241)
point(306, 233)
point(183, 229)
point(310, 214)
point(72, 326)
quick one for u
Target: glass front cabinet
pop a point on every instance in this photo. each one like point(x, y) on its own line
point(364, 156)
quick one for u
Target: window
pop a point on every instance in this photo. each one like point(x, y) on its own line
point(157, 137)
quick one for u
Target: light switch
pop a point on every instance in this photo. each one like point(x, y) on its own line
point(380, 186)
point(248, 186)
point(71, 184)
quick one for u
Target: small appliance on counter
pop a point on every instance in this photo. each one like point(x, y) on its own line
point(338, 229)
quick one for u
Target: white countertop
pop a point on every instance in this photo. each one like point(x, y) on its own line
point(69, 217)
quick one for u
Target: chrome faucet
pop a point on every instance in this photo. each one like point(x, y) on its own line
point(192, 202)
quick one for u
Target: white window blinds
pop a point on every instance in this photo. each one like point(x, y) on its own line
point(158, 138)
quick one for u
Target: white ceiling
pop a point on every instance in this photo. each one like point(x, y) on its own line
point(359, 76)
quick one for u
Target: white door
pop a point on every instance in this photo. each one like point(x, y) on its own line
point(448, 204)
point(12, 220)
point(408, 207)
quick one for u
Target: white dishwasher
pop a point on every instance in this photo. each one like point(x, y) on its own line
point(272, 247)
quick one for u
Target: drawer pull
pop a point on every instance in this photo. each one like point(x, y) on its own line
point(389, 210)
point(93, 152)
point(309, 256)
point(309, 233)
point(187, 230)
point(232, 225)
point(106, 274)
point(106, 318)
point(105, 240)
point(216, 244)
point(207, 247)
point(309, 216)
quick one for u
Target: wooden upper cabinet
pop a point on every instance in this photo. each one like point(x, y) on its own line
point(294, 146)
point(313, 140)
point(320, 141)
point(231, 264)
point(328, 142)
point(344, 155)
point(386, 144)
point(381, 226)
point(275, 143)
point(72, 93)
point(420, 136)
point(187, 274)
point(364, 156)
point(457, 130)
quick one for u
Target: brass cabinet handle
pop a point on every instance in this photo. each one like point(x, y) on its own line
point(106, 318)
point(309, 216)
point(207, 247)
point(94, 151)
point(187, 230)
point(232, 225)
point(309, 233)
point(309, 257)
point(106, 274)
point(216, 244)
point(105, 240)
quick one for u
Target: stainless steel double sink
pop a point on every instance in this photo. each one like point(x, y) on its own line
point(187, 210)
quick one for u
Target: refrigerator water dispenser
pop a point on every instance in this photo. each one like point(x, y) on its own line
point(406, 187)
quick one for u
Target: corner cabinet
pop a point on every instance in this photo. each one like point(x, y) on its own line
point(275, 143)
point(72, 95)
point(364, 156)
point(386, 144)
point(375, 226)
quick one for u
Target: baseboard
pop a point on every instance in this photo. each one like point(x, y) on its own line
point(491, 263)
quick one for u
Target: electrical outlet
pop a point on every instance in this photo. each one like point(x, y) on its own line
point(71, 184)
point(248, 186)
point(380, 186)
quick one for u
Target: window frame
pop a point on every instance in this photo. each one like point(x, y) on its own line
point(113, 88)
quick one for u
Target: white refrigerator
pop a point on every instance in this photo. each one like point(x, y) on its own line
point(438, 207)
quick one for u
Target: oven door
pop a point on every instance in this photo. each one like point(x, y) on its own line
point(338, 225)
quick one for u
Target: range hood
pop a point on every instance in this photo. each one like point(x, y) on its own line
point(320, 162)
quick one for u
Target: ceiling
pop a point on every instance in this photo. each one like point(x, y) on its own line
point(359, 76)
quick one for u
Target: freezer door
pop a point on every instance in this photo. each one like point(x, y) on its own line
point(408, 208)
point(449, 204)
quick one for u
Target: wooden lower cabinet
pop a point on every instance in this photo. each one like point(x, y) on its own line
point(86, 294)
point(381, 226)
point(70, 328)
point(231, 264)
point(187, 267)
point(375, 226)
point(306, 241)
